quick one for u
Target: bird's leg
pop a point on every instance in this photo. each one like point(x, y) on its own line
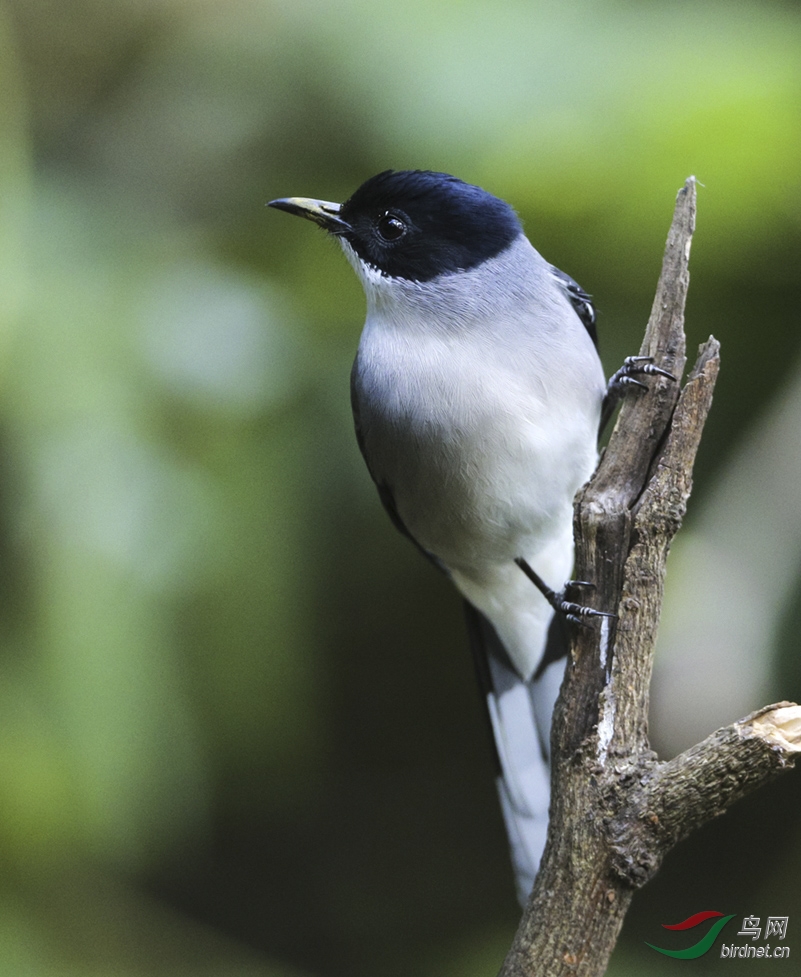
point(623, 380)
point(558, 598)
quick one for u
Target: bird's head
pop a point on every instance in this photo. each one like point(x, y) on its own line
point(414, 224)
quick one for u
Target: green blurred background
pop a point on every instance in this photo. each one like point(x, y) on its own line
point(238, 728)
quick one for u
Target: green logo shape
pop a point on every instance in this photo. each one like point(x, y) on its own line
point(697, 949)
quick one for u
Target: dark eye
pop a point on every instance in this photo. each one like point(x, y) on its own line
point(391, 227)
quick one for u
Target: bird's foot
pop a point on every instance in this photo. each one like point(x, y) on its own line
point(624, 378)
point(577, 613)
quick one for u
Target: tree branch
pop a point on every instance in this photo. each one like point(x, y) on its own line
point(615, 809)
point(699, 785)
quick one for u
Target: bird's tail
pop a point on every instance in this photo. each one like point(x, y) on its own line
point(519, 713)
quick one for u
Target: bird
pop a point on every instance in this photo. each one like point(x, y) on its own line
point(478, 395)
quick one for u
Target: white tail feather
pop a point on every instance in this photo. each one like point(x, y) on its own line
point(520, 714)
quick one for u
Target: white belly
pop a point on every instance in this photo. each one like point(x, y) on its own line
point(477, 461)
point(483, 451)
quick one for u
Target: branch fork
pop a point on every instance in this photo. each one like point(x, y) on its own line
point(616, 810)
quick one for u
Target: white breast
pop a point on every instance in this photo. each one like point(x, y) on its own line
point(479, 409)
point(469, 444)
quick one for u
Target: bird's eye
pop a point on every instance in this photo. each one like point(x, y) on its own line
point(391, 227)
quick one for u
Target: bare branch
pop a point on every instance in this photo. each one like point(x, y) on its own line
point(700, 784)
point(615, 809)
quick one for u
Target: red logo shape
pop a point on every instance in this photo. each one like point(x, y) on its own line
point(691, 921)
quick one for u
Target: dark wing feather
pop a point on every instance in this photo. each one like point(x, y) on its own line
point(384, 489)
point(579, 299)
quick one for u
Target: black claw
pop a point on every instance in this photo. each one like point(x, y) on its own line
point(568, 607)
point(653, 371)
point(644, 365)
point(574, 612)
point(627, 381)
point(624, 380)
point(582, 622)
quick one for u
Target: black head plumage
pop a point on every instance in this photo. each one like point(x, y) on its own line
point(417, 224)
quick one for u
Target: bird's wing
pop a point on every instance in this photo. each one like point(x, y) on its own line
point(579, 299)
point(385, 492)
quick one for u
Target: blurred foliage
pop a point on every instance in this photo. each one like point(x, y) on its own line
point(223, 746)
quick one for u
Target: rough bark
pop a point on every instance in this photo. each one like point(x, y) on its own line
point(616, 810)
